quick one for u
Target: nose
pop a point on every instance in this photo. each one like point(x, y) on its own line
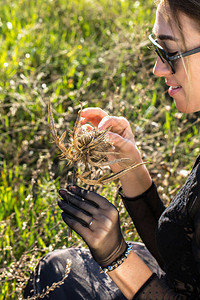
point(161, 69)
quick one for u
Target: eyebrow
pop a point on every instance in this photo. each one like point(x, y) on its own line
point(163, 37)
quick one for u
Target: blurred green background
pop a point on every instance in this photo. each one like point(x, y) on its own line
point(75, 51)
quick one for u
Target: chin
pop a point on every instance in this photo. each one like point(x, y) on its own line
point(186, 109)
point(187, 103)
point(182, 108)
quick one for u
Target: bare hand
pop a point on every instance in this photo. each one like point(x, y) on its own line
point(120, 135)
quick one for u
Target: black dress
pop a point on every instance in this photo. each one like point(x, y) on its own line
point(171, 234)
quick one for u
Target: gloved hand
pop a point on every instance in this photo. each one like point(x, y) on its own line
point(96, 220)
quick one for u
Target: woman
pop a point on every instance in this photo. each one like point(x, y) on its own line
point(171, 234)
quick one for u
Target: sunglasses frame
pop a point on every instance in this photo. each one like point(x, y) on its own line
point(164, 56)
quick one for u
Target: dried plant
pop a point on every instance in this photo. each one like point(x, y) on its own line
point(54, 285)
point(90, 148)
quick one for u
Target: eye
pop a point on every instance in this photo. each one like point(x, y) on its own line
point(172, 53)
point(165, 48)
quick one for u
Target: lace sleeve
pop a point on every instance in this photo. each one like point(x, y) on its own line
point(194, 212)
point(145, 211)
point(157, 289)
point(196, 236)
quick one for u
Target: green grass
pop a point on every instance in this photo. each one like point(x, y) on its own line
point(94, 52)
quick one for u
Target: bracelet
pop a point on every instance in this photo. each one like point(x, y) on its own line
point(119, 261)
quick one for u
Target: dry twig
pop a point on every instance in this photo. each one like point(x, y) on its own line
point(54, 285)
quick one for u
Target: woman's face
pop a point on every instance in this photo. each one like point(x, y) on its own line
point(184, 85)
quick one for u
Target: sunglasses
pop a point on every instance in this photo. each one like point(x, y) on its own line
point(168, 57)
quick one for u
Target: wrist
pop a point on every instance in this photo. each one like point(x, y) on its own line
point(131, 275)
point(143, 196)
point(119, 261)
point(136, 182)
point(116, 254)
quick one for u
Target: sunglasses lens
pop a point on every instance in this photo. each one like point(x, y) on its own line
point(159, 53)
point(163, 58)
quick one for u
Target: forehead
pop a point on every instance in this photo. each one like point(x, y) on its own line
point(165, 25)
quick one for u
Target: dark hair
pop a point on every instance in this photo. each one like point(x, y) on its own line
point(190, 8)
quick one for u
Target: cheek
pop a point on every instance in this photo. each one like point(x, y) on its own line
point(190, 73)
point(192, 86)
point(186, 75)
point(194, 75)
point(195, 92)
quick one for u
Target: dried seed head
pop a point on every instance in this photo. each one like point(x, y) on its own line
point(90, 146)
point(89, 149)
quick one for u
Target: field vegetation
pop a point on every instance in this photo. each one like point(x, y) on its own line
point(76, 51)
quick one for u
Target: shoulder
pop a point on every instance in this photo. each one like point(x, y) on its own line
point(197, 162)
point(189, 195)
point(194, 191)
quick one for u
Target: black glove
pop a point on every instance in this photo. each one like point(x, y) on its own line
point(96, 220)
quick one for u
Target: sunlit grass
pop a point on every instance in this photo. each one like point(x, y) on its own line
point(94, 52)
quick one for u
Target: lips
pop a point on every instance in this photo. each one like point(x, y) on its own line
point(174, 90)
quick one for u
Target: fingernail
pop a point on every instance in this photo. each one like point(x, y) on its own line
point(72, 188)
point(62, 193)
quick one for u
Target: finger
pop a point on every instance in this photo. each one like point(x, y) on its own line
point(93, 115)
point(100, 224)
point(93, 112)
point(68, 194)
point(119, 142)
point(101, 217)
point(91, 196)
point(87, 127)
point(83, 231)
point(80, 216)
point(78, 201)
point(118, 125)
